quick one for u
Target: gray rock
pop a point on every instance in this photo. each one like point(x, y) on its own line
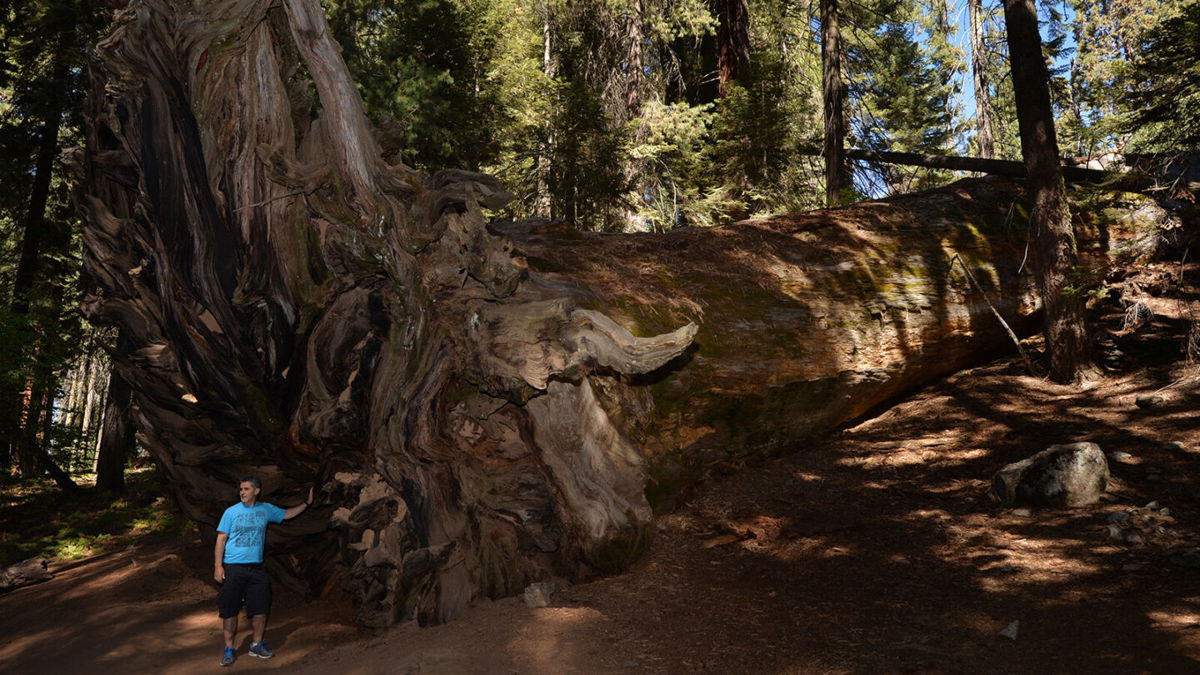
point(1118, 456)
point(1147, 401)
point(1176, 446)
point(1119, 517)
point(1074, 474)
point(1130, 536)
point(538, 594)
point(1011, 631)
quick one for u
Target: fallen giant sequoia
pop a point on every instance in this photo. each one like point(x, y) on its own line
point(471, 403)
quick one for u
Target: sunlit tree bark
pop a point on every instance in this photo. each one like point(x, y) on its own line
point(837, 178)
point(1057, 260)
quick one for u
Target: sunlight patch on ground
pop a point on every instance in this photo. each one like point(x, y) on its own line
point(1024, 561)
point(540, 647)
point(904, 456)
point(1175, 618)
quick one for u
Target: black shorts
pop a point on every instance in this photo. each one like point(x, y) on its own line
point(248, 582)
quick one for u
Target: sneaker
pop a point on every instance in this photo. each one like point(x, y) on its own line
point(260, 650)
point(227, 658)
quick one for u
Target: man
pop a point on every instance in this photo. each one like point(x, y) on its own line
point(238, 564)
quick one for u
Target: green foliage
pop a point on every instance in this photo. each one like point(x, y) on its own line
point(44, 50)
point(902, 72)
point(586, 159)
point(674, 149)
point(36, 519)
point(1164, 108)
point(768, 117)
point(425, 66)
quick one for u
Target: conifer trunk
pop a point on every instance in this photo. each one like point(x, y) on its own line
point(116, 441)
point(983, 101)
point(1057, 260)
point(834, 93)
point(733, 39)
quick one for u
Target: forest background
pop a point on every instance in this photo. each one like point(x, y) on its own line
point(613, 115)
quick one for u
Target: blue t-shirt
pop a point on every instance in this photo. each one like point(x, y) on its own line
point(247, 530)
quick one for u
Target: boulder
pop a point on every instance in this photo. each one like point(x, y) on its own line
point(1074, 474)
point(538, 594)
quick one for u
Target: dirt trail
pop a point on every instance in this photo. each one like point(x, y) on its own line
point(873, 550)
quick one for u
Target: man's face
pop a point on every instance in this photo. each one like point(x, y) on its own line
point(247, 493)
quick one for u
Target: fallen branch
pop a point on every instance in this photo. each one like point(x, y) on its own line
point(1012, 335)
point(998, 167)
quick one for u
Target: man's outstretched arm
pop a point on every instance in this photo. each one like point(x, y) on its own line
point(299, 508)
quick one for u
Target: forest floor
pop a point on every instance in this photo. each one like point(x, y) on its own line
point(874, 549)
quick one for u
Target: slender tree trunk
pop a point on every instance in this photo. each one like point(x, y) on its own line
point(635, 170)
point(34, 224)
point(544, 203)
point(983, 101)
point(836, 175)
point(116, 431)
point(635, 62)
point(93, 401)
point(1057, 258)
point(35, 437)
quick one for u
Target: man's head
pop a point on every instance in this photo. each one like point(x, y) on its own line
point(248, 489)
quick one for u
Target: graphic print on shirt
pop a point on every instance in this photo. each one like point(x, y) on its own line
point(248, 529)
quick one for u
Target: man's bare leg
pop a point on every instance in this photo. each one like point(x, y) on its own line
point(259, 622)
point(230, 627)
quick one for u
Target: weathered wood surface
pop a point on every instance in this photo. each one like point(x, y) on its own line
point(806, 321)
point(479, 408)
point(30, 571)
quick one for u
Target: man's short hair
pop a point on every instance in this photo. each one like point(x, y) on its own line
point(252, 480)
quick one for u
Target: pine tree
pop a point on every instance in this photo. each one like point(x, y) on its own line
point(42, 72)
point(1163, 112)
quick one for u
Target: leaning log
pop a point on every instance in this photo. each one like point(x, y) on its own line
point(1116, 180)
point(480, 408)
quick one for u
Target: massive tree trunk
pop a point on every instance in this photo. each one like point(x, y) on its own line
point(480, 408)
point(1065, 327)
